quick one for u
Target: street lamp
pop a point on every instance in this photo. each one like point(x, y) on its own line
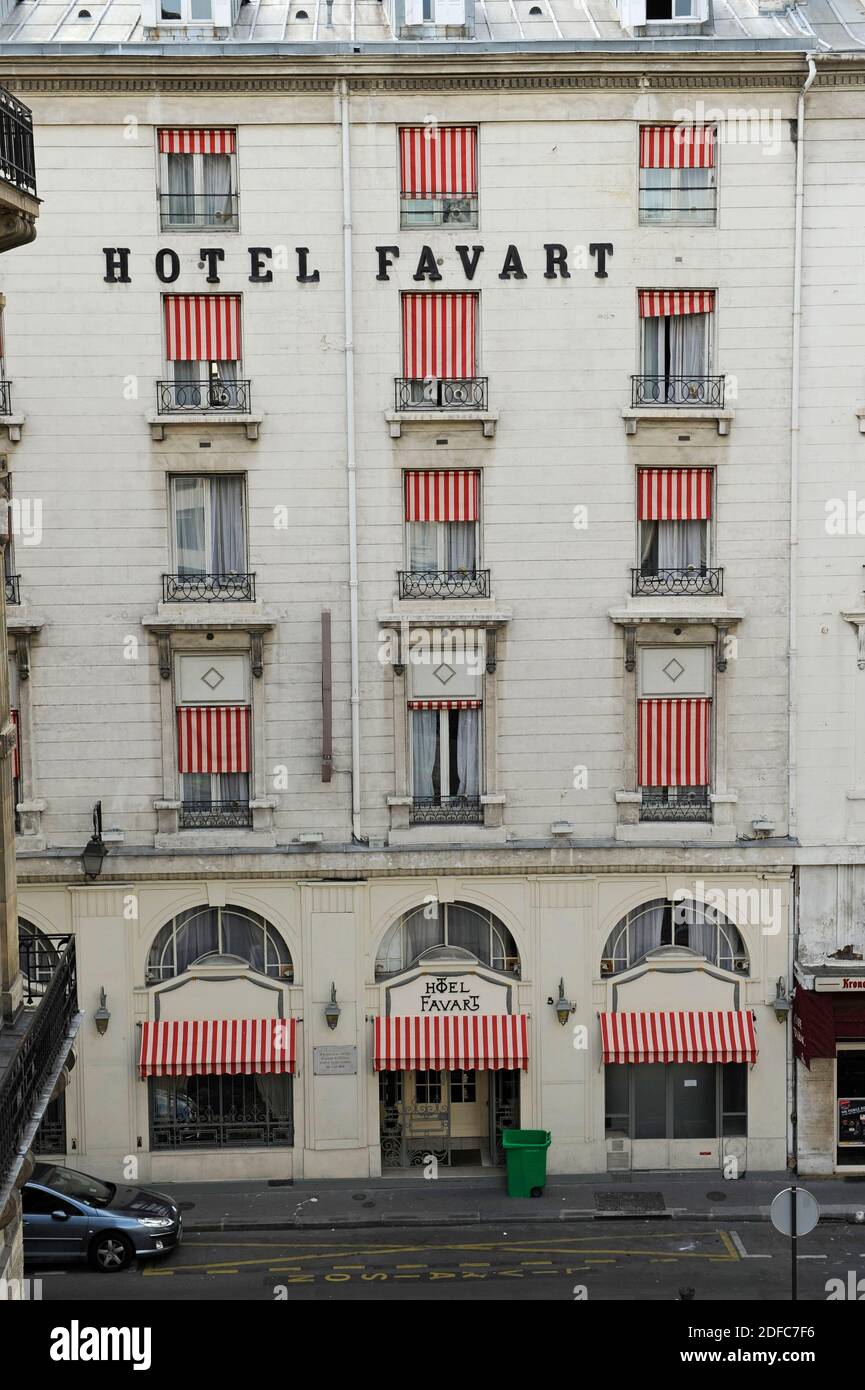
point(781, 1002)
point(102, 1016)
point(563, 1006)
point(332, 1010)
point(95, 850)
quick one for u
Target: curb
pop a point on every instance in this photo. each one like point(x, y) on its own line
point(476, 1218)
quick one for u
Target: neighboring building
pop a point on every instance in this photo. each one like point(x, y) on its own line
point(411, 428)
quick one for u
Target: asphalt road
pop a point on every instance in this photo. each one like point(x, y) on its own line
point(597, 1260)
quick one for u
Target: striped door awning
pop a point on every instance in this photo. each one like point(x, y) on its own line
point(213, 738)
point(196, 142)
point(674, 494)
point(218, 1047)
point(445, 704)
point(673, 742)
point(656, 304)
point(465, 1042)
point(694, 1036)
point(438, 335)
point(202, 327)
point(16, 757)
point(441, 496)
point(677, 147)
point(438, 161)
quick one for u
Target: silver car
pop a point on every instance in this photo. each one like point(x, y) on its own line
point(71, 1216)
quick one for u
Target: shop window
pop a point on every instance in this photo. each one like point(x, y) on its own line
point(197, 1112)
point(201, 932)
point(698, 926)
point(471, 929)
point(677, 1100)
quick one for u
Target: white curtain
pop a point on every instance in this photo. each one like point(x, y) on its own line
point(461, 547)
point(232, 786)
point(466, 928)
point(646, 930)
point(195, 935)
point(241, 937)
point(692, 929)
point(681, 543)
point(217, 188)
point(423, 546)
point(687, 345)
point(656, 198)
point(190, 526)
point(424, 747)
point(420, 933)
point(228, 553)
point(181, 202)
point(467, 752)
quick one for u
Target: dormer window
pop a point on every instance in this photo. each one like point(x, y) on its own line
point(186, 11)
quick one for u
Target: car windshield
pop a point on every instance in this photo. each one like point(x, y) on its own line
point(69, 1183)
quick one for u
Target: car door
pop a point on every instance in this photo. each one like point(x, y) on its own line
point(54, 1227)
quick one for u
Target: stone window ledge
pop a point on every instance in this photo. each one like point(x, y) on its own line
point(445, 615)
point(209, 617)
point(30, 838)
point(676, 415)
point(402, 832)
point(169, 836)
point(677, 612)
point(20, 621)
point(13, 425)
point(203, 420)
point(487, 419)
point(720, 829)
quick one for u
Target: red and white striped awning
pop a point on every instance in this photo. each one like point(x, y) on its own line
point(673, 742)
point(213, 738)
point(196, 142)
point(16, 758)
point(438, 335)
point(451, 1042)
point(441, 496)
point(696, 1036)
point(218, 1047)
point(677, 147)
point(656, 304)
point(202, 327)
point(438, 160)
point(674, 494)
point(444, 704)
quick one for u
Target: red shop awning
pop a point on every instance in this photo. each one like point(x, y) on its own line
point(469, 1042)
point(696, 1036)
point(820, 1019)
point(218, 1047)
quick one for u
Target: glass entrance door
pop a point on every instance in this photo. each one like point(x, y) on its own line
point(850, 1105)
point(445, 1114)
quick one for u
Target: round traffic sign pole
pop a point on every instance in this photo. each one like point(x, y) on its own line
point(794, 1212)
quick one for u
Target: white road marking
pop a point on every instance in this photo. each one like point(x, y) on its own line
point(743, 1252)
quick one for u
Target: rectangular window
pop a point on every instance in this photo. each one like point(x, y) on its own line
point(203, 354)
point(442, 536)
point(463, 1086)
point(677, 1100)
point(198, 179)
point(677, 349)
point(445, 740)
point(673, 758)
point(439, 358)
point(216, 1112)
point(208, 532)
point(670, 9)
point(674, 507)
point(428, 1087)
point(438, 176)
point(677, 175)
point(214, 745)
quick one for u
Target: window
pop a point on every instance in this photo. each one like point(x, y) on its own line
point(203, 355)
point(677, 175)
point(674, 506)
point(459, 925)
point(198, 179)
point(10, 578)
point(188, 11)
point(428, 1087)
point(39, 957)
point(440, 353)
point(676, 349)
point(445, 756)
point(670, 9)
point(698, 926)
point(208, 538)
point(196, 1112)
point(50, 1137)
point(441, 512)
point(674, 758)
point(677, 1100)
point(199, 932)
point(214, 740)
point(438, 175)
point(463, 1087)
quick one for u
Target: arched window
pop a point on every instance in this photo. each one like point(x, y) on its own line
point(38, 957)
point(470, 929)
point(199, 932)
point(702, 928)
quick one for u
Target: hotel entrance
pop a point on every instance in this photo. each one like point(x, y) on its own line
point(455, 1115)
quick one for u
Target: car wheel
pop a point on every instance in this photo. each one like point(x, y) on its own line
point(111, 1253)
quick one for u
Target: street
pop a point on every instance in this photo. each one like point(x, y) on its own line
point(593, 1260)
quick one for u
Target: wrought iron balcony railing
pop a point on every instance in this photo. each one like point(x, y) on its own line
point(443, 583)
point(215, 815)
point(446, 810)
point(687, 804)
point(692, 579)
point(208, 397)
point(216, 210)
point(5, 397)
point(13, 588)
point(677, 390)
point(39, 957)
point(208, 588)
point(17, 165)
point(441, 393)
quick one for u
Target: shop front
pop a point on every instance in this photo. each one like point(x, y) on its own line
point(829, 1042)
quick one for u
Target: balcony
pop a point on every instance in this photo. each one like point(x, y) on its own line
point(203, 403)
point(19, 205)
point(13, 588)
point(443, 584)
point(435, 400)
point(5, 397)
point(693, 579)
point(677, 390)
point(193, 211)
point(208, 588)
point(215, 815)
point(34, 1049)
point(675, 804)
point(446, 810)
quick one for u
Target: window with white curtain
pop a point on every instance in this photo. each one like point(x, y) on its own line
point(209, 383)
point(199, 932)
point(198, 191)
point(677, 196)
point(208, 515)
point(445, 755)
point(699, 926)
point(473, 929)
point(442, 546)
point(677, 346)
point(670, 546)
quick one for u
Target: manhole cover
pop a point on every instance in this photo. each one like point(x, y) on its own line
point(636, 1202)
point(369, 1205)
point(280, 1182)
point(358, 1196)
point(716, 1196)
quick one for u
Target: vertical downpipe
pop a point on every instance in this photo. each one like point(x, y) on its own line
point(351, 462)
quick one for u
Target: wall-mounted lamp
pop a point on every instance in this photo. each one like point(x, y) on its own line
point(102, 1016)
point(95, 850)
point(332, 1010)
point(563, 1006)
point(781, 1002)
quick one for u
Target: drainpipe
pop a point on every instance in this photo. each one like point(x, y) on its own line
point(350, 460)
point(792, 588)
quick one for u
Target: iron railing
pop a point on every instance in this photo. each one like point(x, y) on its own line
point(443, 583)
point(215, 1112)
point(5, 397)
point(38, 957)
point(692, 579)
point(208, 588)
point(207, 397)
point(215, 815)
point(50, 1137)
point(446, 810)
point(444, 210)
point(694, 207)
point(17, 165)
point(13, 588)
point(216, 210)
point(38, 1054)
point(441, 393)
point(677, 390)
point(688, 804)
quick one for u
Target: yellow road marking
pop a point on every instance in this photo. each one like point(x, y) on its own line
point(157, 1273)
point(728, 1245)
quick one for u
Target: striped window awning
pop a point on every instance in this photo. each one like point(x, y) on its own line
point(673, 742)
point(677, 147)
point(213, 738)
point(202, 327)
point(695, 1036)
point(655, 304)
point(444, 704)
point(438, 160)
point(467, 1042)
point(438, 336)
point(218, 1047)
point(441, 496)
point(196, 142)
point(16, 757)
point(674, 494)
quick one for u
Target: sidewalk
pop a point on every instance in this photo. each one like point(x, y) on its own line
point(411, 1200)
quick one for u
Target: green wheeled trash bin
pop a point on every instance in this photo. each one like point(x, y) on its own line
point(526, 1154)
